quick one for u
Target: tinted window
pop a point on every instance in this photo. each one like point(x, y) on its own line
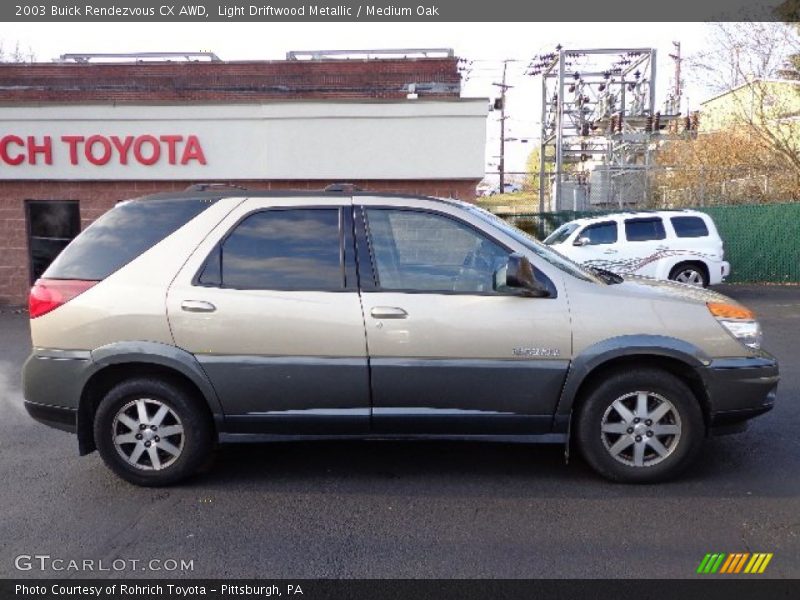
point(600, 233)
point(642, 230)
point(122, 234)
point(428, 252)
point(689, 227)
point(52, 224)
point(281, 250)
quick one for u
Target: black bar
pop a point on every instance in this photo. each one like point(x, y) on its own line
point(741, 587)
point(393, 11)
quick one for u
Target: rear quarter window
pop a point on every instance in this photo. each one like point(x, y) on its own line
point(120, 235)
point(689, 227)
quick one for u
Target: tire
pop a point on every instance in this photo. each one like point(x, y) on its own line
point(690, 272)
point(145, 456)
point(619, 447)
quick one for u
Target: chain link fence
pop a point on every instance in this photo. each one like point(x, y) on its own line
point(654, 186)
point(762, 241)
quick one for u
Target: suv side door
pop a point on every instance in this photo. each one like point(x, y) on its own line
point(645, 243)
point(448, 353)
point(599, 246)
point(269, 305)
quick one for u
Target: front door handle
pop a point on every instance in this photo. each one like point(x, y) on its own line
point(610, 251)
point(198, 306)
point(388, 312)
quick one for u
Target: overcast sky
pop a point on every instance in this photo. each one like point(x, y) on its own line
point(485, 43)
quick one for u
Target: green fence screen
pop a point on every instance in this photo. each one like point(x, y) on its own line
point(762, 241)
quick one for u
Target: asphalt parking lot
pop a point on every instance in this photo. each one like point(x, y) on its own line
point(401, 509)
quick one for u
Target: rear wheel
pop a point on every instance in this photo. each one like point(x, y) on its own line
point(152, 432)
point(640, 425)
point(691, 273)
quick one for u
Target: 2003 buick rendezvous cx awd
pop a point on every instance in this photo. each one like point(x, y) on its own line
point(178, 321)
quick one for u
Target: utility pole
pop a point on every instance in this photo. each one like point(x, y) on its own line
point(502, 164)
point(677, 90)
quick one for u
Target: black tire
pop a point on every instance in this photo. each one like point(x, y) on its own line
point(687, 268)
point(195, 442)
point(596, 412)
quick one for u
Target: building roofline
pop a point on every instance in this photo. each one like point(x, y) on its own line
point(748, 83)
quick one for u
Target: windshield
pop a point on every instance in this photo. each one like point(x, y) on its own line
point(561, 234)
point(551, 256)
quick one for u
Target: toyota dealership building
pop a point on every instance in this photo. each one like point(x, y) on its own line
point(76, 137)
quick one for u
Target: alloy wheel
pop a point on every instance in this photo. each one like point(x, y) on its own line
point(641, 429)
point(148, 434)
point(690, 276)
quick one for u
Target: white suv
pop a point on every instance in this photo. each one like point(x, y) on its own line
point(682, 245)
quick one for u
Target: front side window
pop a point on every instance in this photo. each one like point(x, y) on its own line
point(644, 230)
point(561, 234)
point(600, 233)
point(296, 249)
point(689, 227)
point(419, 251)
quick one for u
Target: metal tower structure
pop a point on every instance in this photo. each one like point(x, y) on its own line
point(598, 119)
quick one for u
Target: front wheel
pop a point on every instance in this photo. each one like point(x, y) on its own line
point(640, 425)
point(151, 432)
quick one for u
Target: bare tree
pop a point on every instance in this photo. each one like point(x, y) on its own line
point(17, 55)
point(745, 59)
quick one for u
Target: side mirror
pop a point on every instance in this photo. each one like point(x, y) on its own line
point(518, 275)
point(581, 241)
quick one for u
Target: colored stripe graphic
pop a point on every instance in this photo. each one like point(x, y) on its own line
point(740, 564)
point(719, 562)
point(726, 566)
point(764, 564)
point(711, 563)
point(703, 563)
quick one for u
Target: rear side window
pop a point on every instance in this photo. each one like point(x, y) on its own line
point(643, 230)
point(297, 249)
point(122, 234)
point(689, 227)
point(600, 233)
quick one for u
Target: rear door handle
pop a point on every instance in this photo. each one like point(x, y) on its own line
point(388, 312)
point(199, 306)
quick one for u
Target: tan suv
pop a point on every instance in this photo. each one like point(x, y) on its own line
point(178, 321)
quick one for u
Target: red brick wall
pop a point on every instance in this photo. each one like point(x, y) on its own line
point(97, 197)
point(228, 81)
point(197, 82)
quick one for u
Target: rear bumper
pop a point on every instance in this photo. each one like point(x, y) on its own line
point(718, 272)
point(740, 388)
point(59, 417)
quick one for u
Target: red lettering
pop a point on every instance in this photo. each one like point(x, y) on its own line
point(171, 141)
point(88, 149)
point(122, 147)
point(73, 141)
point(137, 150)
point(7, 158)
point(45, 148)
point(193, 151)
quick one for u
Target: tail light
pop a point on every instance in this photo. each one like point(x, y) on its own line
point(48, 294)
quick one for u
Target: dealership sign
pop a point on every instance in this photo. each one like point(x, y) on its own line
point(146, 150)
point(253, 141)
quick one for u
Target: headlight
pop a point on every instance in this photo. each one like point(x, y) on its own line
point(738, 321)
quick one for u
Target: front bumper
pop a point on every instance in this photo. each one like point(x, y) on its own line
point(740, 388)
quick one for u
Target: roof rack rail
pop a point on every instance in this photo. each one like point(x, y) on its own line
point(204, 187)
point(347, 188)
